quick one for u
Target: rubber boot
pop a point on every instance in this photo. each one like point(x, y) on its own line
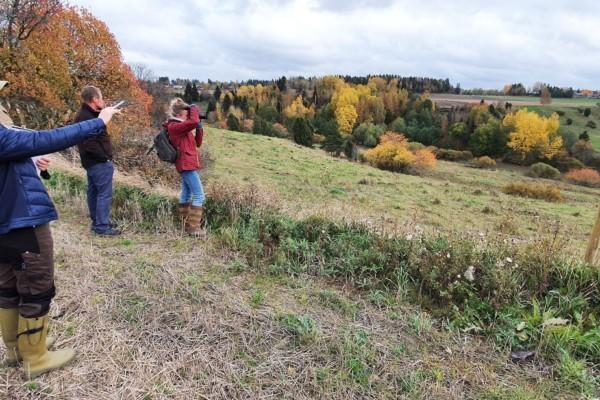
point(183, 210)
point(9, 321)
point(194, 222)
point(31, 342)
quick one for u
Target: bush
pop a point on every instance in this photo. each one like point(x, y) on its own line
point(233, 123)
point(563, 162)
point(534, 191)
point(263, 127)
point(569, 121)
point(560, 113)
point(394, 154)
point(367, 134)
point(584, 176)
point(484, 162)
point(542, 170)
point(453, 155)
point(591, 124)
point(398, 125)
point(587, 112)
point(281, 131)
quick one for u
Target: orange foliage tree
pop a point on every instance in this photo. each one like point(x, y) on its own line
point(393, 153)
point(72, 50)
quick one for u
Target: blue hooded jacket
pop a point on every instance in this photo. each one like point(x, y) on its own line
point(24, 201)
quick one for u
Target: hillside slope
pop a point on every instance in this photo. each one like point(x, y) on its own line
point(163, 316)
point(454, 197)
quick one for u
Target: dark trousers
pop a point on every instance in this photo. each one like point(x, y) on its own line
point(99, 194)
point(27, 270)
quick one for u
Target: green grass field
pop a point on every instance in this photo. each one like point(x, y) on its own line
point(453, 198)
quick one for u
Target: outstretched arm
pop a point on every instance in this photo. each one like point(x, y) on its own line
point(16, 144)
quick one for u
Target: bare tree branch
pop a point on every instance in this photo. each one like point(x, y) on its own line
point(20, 18)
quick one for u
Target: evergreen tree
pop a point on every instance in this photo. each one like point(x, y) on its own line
point(302, 132)
point(226, 102)
point(217, 93)
point(282, 84)
point(233, 123)
point(194, 94)
point(187, 93)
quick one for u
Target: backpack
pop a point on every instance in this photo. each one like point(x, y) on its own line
point(164, 149)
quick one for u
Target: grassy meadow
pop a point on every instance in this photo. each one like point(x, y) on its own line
point(158, 315)
point(453, 198)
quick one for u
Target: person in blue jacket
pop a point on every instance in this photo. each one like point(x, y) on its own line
point(26, 247)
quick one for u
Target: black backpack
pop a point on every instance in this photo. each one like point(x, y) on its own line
point(164, 149)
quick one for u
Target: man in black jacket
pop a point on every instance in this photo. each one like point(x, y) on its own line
point(96, 157)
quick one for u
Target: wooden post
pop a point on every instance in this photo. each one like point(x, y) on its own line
point(592, 255)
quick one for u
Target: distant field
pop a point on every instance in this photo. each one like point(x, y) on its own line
point(567, 106)
point(452, 198)
point(515, 100)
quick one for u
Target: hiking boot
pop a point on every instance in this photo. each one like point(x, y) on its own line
point(108, 232)
point(194, 222)
point(183, 210)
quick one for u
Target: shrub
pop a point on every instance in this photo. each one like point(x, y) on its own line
point(484, 162)
point(453, 155)
point(587, 112)
point(263, 127)
point(534, 190)
point(560, 113)
point(591, 124)
point(281, 130)
point(398, 125)
point(542, 170)
point(565, 163)
point(569, 121)
point(394, 153)
point(233, 123)
point(367, 134)
point(584, 176)
point(414, 146)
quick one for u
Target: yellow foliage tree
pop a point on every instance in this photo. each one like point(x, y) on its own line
point(533, 135)
point(298, 109)
point(394, 154)
point(344, 103)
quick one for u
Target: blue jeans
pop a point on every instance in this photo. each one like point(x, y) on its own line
point(99, 194)
point(191, 188)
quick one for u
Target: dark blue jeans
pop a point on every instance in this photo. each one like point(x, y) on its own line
point(99, 194)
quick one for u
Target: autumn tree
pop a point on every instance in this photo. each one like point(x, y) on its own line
point(20, 18)
point(72, 50)
point(545, 96)
point(298, 109)
point(533, 136)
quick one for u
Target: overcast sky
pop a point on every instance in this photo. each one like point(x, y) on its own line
point(474, 43)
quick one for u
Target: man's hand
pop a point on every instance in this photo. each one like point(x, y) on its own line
point(42, 163)
point(107, 113)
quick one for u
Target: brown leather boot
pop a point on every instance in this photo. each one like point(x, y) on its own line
point(194, 222)
point(183, 210)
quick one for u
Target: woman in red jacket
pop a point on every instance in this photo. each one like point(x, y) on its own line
point(184, 119)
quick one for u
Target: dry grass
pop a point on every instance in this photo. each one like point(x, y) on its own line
point(168, 317)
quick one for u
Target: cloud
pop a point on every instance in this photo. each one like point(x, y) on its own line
point(477, 44)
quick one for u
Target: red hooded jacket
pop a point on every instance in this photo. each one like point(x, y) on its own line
point(182, 137)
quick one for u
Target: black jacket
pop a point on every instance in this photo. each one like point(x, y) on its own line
point(96, 149)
